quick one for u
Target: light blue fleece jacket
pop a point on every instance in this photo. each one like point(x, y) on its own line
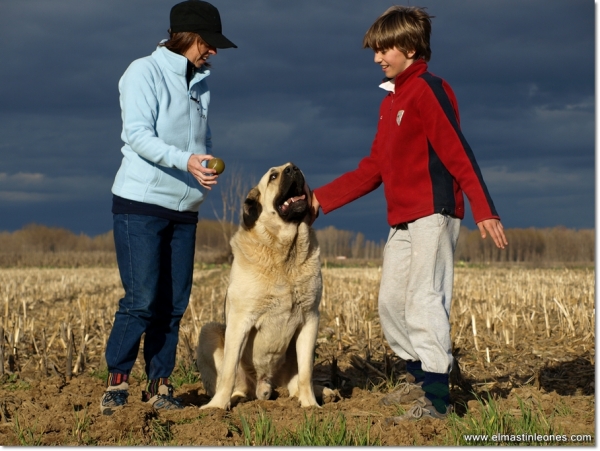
point(164, 123)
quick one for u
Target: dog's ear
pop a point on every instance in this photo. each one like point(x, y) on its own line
point(252, 208)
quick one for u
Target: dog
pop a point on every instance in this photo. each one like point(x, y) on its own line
point(272, 301)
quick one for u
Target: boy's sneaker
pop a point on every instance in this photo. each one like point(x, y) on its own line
point(164, 399)
point(405, 393)
point(410, 378)
point(422, 408)
point(114, 398)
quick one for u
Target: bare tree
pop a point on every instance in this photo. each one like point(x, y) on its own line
point(358, 246)
point(234, 186)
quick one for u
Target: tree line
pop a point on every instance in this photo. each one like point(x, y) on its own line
point(547, 245)
point(36, 245)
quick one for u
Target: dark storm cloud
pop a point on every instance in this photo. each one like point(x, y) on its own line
point(299, 87)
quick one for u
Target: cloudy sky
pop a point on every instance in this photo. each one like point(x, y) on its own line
point(299, 88)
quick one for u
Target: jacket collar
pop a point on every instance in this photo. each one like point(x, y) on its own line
point(415, 69)
point(177, 63)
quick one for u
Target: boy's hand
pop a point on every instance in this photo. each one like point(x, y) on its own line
point(496, 231)
point(314, 208)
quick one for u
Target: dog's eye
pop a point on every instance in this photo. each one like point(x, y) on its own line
point(273, 176)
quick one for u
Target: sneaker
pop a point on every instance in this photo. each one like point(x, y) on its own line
point(405, 393)
point(164, 399)
point(410, 378)
point(422, 408)
point(114, 398)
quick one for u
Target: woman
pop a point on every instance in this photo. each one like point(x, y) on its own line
point(156, 195)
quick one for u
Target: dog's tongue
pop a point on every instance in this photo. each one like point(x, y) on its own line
point(291, 200)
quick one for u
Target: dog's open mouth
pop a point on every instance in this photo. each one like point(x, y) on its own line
point(283, 208)
point(292, 205)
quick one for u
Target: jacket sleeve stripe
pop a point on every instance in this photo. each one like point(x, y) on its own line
point(435, 84)
point(442, 184)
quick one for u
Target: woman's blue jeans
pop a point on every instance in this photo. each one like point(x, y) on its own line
point(156, 262)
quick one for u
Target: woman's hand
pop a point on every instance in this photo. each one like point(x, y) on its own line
point(205, 176)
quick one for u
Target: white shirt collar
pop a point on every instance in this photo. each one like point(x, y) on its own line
point(388, 85)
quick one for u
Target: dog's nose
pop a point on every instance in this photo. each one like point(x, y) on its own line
point(291, 168)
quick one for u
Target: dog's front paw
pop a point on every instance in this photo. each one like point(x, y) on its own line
point(329, 395)
point(264, 389)
point(217, 404)
point(308, 402)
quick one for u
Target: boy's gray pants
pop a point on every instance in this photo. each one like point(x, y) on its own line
point(416, 290)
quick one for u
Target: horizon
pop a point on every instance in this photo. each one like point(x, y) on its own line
point(470, 229)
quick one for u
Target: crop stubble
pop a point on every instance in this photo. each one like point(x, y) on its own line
point(516, 332)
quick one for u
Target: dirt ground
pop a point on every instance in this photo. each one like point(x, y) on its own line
point(556, 373)
point(52, 411)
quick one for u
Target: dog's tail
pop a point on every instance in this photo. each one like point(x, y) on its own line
point(209, 354)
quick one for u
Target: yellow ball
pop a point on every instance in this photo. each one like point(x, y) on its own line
point(217, 164)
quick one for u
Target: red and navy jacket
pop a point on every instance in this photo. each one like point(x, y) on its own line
point(419, 154)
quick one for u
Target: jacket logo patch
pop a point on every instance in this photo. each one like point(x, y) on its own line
point(399, 116)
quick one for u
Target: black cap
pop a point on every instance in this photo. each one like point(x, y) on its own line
point(202, 18)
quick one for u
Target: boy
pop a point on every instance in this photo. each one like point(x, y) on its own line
point(424, 163)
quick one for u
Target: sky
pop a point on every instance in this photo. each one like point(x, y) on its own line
point(299, 88)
